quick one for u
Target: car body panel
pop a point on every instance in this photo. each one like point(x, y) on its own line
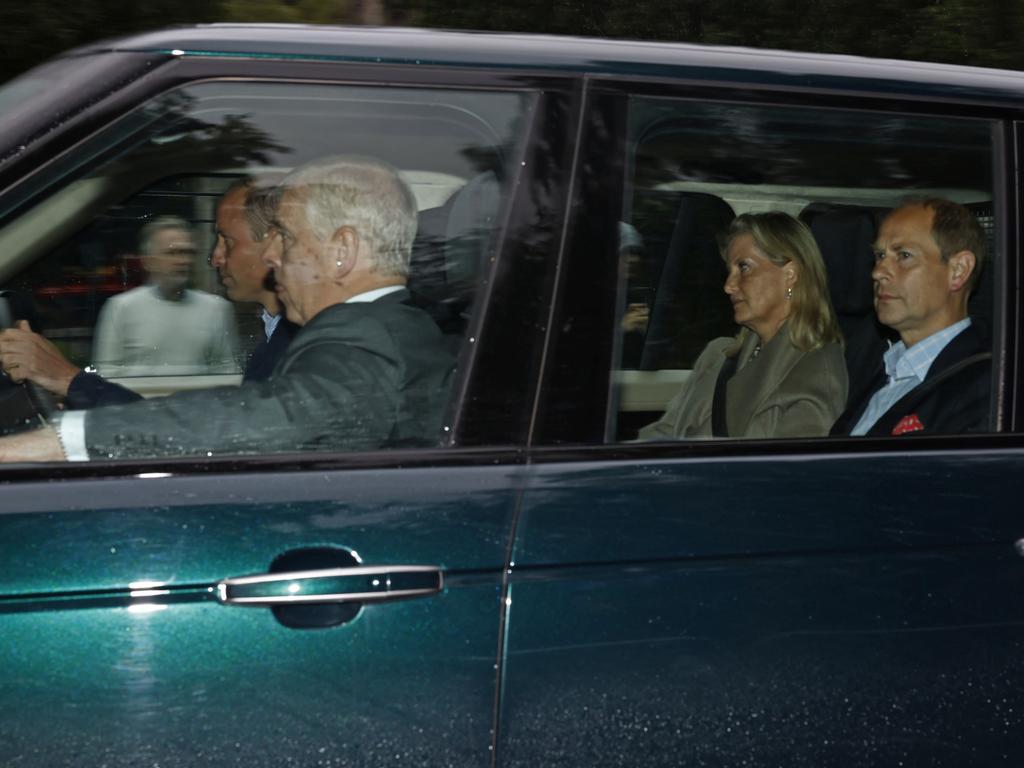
point(796, 610)
point(115, 604)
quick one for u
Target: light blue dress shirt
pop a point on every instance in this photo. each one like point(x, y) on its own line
point(269, 323)
point(906, 369)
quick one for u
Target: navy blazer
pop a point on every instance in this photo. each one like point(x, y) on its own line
point(958, 403)
point(90, 390)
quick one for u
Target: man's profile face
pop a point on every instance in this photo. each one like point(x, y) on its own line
point(912, 283)
point(169, 262)
point(299, 260)
point(237, 255)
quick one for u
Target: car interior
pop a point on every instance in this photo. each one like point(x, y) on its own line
point(69, 242)
point(68, 238)
point(697, 166)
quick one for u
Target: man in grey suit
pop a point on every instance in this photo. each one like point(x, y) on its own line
point(365, 370)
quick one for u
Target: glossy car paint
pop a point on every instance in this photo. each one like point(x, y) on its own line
point(114, 639)
point(787, 610)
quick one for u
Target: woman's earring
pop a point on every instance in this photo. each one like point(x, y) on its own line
point(789, 293)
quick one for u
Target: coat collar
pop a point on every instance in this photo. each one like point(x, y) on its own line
point(966, 343)
point(758, 379)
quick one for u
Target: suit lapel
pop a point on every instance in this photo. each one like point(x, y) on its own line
point(963, 345)
point(757, 380)
point(849, 418)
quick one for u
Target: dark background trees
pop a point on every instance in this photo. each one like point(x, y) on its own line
point(980, 32)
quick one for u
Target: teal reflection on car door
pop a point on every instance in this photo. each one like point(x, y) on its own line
point(120, 651)
point(840, 610)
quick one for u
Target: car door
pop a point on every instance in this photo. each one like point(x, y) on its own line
point(151, 608)
point(821, 601)
point(116, 639)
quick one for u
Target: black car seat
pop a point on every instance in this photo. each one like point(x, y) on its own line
point(449, 251)
point(846, 236)
point(981, 304)
point(689, 306)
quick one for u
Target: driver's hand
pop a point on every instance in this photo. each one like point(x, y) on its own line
point(27, 356)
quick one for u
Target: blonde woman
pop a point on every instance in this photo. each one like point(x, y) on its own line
point(784, 374)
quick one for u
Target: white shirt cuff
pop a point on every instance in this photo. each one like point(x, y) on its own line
point(71, 432)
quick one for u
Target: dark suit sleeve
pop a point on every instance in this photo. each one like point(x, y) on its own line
point(960, 404)
point(338, 393)
point(89, 390)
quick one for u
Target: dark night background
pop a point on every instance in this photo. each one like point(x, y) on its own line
point(979, 32)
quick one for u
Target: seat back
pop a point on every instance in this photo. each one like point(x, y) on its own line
point(981, 304)
point(846, 236)
point(689, 306)
point(449, 251)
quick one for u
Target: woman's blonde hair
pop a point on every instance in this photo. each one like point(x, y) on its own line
point(783, 239)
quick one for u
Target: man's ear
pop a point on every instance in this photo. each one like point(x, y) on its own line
point(343, 249)
point(961, 266)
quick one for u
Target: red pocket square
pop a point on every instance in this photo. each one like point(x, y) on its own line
point(908, 424)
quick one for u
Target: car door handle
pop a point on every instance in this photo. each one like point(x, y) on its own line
point(359, 584)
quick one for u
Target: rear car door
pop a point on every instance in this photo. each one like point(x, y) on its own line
point(822, 601)
point(129, 637)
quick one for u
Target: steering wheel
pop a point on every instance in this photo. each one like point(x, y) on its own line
point(20, 408)
point(23, 405)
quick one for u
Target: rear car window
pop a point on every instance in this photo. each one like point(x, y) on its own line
point(694, 167)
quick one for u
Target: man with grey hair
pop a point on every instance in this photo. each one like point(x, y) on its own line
point(365, 369)
point(163, 328)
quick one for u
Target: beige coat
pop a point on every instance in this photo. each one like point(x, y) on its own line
point(783, 392)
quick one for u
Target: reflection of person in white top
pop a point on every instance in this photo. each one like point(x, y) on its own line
point(163, 328)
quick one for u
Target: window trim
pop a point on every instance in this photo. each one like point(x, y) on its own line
point(555, 90)
point(1008, 388)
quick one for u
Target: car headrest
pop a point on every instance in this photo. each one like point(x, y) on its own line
point(845, 237)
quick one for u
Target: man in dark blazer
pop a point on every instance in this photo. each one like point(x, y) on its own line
point(243, 220)
point(365, 370)
point(937, 378)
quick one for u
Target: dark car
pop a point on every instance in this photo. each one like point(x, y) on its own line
point(537, 587)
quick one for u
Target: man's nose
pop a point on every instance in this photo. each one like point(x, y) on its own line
point(881, 268)
point(217, 255)
point(271, 255)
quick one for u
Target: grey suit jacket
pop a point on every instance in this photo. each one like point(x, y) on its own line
point(783, 392)
point(357, 376)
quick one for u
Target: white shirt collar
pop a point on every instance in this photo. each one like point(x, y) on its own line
point(901, 362)
point(374, 294)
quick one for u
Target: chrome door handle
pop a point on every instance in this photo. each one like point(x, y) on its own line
point(359, 584)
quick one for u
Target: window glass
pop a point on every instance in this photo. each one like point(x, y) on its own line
point(693, 168)
point(120, 252)
point(45, 96)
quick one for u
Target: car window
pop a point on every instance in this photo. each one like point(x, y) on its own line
point(694, 167)
point(104, 247)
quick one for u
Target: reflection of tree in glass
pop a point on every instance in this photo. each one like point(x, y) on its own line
point(192, 144)
point(94, 253)
point(742, 144)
